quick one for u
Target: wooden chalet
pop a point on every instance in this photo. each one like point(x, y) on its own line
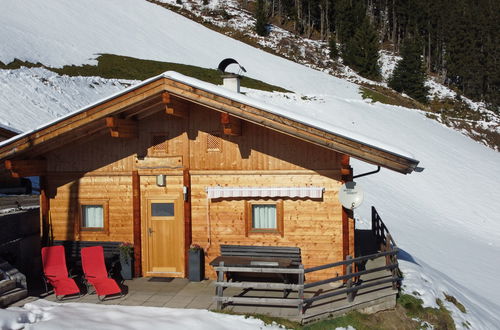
point(175, 161)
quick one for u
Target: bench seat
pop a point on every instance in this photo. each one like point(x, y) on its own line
point(268, 253)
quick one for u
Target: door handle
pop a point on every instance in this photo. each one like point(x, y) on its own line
point(150, 231)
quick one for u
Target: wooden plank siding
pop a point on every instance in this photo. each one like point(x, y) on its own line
point(67, 192)
point(315, 225)
point(100, 167)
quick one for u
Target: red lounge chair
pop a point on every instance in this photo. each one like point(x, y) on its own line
point(95, 273)
point(56, 273)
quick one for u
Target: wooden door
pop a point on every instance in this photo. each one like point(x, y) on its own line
point(164, 233)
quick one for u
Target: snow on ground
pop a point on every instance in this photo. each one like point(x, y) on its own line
point(445, 219)
point(43, 314)
point(31, 97)
point(387, 62)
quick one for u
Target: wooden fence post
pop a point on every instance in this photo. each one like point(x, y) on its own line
point(387, 247)
point(220, 288)
point(350, 295)
point(301, 291)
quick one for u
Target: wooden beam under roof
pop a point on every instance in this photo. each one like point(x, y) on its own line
point(230, 125)
point(293, 128)
point(122, 128)
point(174, 107)
point(143, 108)
point(20, 168)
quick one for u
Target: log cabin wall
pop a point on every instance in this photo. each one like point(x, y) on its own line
point(67, 192)
point(100, 168)
point(315, 225)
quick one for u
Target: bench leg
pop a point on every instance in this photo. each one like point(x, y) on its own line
point(220, 288)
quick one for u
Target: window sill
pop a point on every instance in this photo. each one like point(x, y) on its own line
point(264, 231)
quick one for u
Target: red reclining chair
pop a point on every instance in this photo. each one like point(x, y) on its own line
point(56, 274)
point(94, 270)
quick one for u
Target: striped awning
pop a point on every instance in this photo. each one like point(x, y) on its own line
point(289, 192)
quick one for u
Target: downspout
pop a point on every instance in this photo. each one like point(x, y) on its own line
point(208, 226)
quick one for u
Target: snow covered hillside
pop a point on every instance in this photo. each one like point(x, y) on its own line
point(446, 219)
point(32, 97)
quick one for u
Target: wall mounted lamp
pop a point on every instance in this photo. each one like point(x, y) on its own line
point(161, 180)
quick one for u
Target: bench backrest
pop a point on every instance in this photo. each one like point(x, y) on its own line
point(262, 251)
point(73, 248)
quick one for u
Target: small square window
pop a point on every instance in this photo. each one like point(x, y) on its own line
point(264, 217)
point(92, 216)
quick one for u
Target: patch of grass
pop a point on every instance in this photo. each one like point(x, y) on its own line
point(409, 314)
point(440, 317)
point(388, 96)
point(355, 319)
point(124, 67)
point(454, 108)
point(16, 64)
point(455, 302)
point(376, 96)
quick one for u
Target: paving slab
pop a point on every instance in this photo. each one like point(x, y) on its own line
point(179, 302)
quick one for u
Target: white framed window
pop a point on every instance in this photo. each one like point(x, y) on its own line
point(93, 215)
point(264, 217)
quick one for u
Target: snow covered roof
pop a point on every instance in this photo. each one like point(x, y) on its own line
point(241, 106)
point(7, 132)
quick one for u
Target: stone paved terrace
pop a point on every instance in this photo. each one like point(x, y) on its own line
point(181, 293)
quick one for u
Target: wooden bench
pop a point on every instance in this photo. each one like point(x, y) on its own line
point(254, 267)
point(263, 254)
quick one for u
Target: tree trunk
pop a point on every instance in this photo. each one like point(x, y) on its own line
point(322, 21)
point(394, 26)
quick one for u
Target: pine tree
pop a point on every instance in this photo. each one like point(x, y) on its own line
point(361, 51)
point(409, 74)
point(332, 46)
point(348, 15)
point(261, 19)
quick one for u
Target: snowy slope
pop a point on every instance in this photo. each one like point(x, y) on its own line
point(446, 219)
point(75, 32)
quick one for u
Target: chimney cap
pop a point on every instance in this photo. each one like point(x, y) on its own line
point(226, 62)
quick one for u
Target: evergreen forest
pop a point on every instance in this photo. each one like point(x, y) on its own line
point(458, 41)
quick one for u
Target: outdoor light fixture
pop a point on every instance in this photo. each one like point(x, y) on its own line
point(161, 180)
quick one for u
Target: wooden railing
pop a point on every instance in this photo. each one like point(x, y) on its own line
point(384, 241)
point(388, 248)
point(380, 231)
